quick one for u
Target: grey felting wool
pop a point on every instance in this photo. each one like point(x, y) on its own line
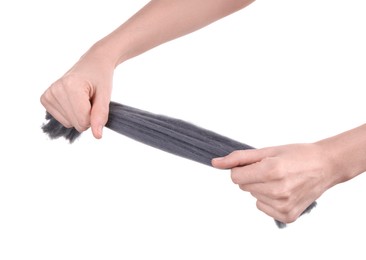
point(165, 133)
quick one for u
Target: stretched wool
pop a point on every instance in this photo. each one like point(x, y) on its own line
point(169, 134)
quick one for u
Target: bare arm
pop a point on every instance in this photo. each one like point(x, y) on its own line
point(346, 153)
point(81, 97)
point(163, 20)
point(285, 180)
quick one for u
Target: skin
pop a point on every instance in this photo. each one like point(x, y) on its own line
point(286, 179)
point(81, 97)
point(283, 179)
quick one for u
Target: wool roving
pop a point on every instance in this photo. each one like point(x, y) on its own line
point(169, 134)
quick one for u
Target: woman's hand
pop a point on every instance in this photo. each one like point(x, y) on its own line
point(285, 180)
point(81, 97)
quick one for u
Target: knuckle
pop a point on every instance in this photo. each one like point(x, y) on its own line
point(283, 208)
point(235, 176)
point(70, 81)
point(46, 97)
point(80, 129)
point(235, 156)
point(67, 125)
point(290, 217)
point(258, 205)
point(236, 153)
point(83, 124)
point(281, 193)
point(274, 170)
point(288, 211)
point(67, 81)
point(243, 187)
point(287, 190)
point(55, 89)
point(43, 99)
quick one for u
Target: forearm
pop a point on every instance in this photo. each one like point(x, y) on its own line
point(161, 21)
point(346, 153)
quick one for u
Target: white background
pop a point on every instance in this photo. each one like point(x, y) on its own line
point(274, 73)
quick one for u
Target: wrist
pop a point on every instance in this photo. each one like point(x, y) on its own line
point(109, 51)
point(345, 154)
point(335, 167)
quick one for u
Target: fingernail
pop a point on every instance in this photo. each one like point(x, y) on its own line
point(218, 158)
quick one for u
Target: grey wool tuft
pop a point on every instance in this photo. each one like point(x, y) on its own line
point(171, 135)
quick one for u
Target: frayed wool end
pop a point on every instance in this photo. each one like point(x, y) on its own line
point(56, 130)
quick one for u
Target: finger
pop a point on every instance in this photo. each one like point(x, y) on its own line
point(60, 99)
point(50, 108)
point(254, 188)
point(270, 211)
point(99, 113)
point(280, 210)
point(275, 190)
point(240, 158)
point(78, 106)
point(260, 172)
point(266, 199)
point(282, 204)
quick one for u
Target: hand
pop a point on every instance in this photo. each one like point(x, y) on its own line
point(285, 180)
point(81, 97)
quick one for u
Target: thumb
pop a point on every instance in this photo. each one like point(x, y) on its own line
point(240, 158)
point(99, 115)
